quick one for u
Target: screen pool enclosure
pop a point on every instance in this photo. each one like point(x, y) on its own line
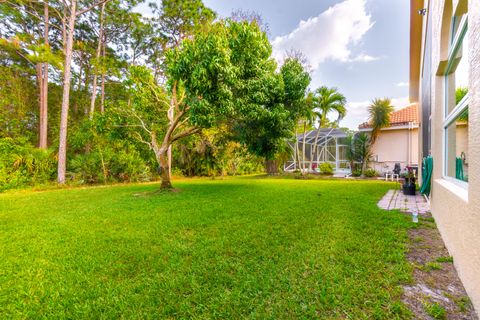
point(316, 147)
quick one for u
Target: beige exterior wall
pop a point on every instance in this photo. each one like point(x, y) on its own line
point(456, 209)
point(395, 146)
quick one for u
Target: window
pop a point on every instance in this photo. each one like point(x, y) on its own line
point(456, 104)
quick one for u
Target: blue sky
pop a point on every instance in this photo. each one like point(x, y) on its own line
point(359, 46)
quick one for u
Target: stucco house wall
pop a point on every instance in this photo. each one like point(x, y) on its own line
point(456, 208)
point(395, 146)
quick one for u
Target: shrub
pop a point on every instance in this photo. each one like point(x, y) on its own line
point(112, 163)
point(98, 155)
point(371, 173)
point(176, 172)
point(356, 173)
point(21, 164)
point(326, 168)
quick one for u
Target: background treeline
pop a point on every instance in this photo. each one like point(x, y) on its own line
point(94, 92)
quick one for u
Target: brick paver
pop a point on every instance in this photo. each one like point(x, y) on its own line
point(396, 200)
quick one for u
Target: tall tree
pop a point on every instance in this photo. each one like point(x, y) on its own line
point(379, 112)
point(114, 26)
point(69, 19)
point(216, 77)
point(173, 21)
point(43, 125)
point(25, 31)
point(176, 20)
point(98, 52)
point(266, 135)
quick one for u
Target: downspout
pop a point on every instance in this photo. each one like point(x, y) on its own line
point(409, 144)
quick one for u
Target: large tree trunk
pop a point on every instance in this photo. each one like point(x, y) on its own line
point(161, 154)
point(67, 74)
point(271, 166)
point(102, 94)
point(364, 168)
point(97, 59)
point(43, 124)
point(165, 169)
point(39, 76)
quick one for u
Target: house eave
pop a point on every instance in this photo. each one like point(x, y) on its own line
point(410, 126)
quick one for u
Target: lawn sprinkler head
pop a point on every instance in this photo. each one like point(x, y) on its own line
point(415, 217)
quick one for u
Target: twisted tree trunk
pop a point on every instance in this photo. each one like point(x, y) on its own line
point(165, 174)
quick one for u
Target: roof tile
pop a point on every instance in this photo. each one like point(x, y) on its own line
point(400, 117)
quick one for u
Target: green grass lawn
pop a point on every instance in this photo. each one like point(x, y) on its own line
point(234, 248)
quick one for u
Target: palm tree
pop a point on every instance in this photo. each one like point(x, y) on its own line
point(379, 111)
point(362, 149)
point(325, 101)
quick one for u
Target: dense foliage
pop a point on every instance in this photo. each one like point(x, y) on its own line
point(109, 95)
point(22, 164)
point(83, 83)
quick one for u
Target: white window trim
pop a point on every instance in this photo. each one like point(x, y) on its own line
point(456, 112)
point(455, 187)
point(450, 117)
point(455, 43)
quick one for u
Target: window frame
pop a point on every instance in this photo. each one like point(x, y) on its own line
point(450, 117)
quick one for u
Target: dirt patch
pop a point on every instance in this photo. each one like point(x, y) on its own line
point(436, 291)
point(146, 194)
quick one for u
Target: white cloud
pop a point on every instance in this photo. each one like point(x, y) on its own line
point(357, 112)
point(400, 103)
point(364, 58)
point(402, 84)
point(330, 35)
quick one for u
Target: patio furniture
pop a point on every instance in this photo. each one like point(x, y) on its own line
point(397, 168)
point(391, 175)
point(395, 174)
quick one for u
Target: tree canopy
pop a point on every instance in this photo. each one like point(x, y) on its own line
point(113, 95)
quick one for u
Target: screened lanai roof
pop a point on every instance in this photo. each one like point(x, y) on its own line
point(323, 133)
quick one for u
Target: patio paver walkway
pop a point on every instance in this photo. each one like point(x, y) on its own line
point(396, 200)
